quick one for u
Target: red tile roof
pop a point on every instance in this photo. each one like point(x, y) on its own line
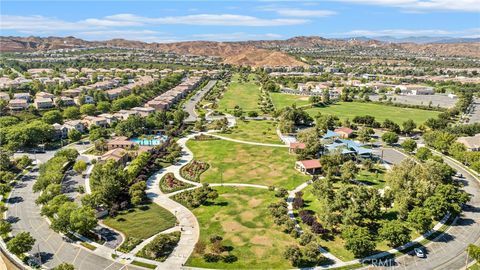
point(311, 164)
point(344, 130)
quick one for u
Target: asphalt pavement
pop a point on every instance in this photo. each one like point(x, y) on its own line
point(50, 246)
point(189, 105)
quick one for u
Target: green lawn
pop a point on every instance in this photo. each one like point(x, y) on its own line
point(244, 163)
point(241, 217)
point(374, 179)
point(142, 222)
point(255, 131)
point(349, 110)
point(281, 100)
point(243, 94)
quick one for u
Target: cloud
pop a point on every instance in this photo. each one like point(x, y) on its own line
point(473, 32)
point(425, 5)
point(143, 35)
point(45, 24)
point(296, 12)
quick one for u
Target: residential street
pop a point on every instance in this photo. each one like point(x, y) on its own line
point(190, 104)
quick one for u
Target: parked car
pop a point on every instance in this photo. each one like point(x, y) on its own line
point(419, 252)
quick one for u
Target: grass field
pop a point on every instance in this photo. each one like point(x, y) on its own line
point(281, 100)
point(241, 217)
point(255, 131)
point(142, 222)
point(232, 162)
point(243, 94)
point(373, 179)
point(349, 110)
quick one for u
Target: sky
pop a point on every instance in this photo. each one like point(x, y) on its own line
point(170, 21)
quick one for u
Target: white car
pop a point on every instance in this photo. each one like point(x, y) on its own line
point(419, 252)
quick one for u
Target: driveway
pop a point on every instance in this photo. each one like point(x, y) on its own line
point(189, 105)
point(51, 247)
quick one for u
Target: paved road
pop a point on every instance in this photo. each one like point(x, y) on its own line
point(475, 114)
point(448, 252)
point(190, 104)
point(50, 246)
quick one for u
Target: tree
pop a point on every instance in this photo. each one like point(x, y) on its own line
point(293, 254)
point(88, 109)
point(52, 117)
point(62, 221)
point(423, 153)
point(64, 266)
point(473, 251)
point(420, 219)
point(80, 166)
point(395, 233)
point(408, 126)
point(390, 137)
point(5, 227)
point(409, 145)
point(74, 135)
point(358, 240)
point(103, 106)
point(348, 170)
point(21, 243)
point(83, 220)
point(71, 113)
point(365, 134)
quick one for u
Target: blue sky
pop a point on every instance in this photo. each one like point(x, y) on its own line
point(167, 21)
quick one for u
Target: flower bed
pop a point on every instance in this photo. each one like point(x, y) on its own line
point(169, 183)
point(193, 170)
point(203, 137)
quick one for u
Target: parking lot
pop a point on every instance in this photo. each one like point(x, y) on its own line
point(437, 100)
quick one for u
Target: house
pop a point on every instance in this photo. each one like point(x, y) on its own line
point(471, 143)
point(295, 146)
point(311, 166)
point(110, 118)
point(17, 104)
point(125, 114)
point(369, 76)
point(144, 111)
point(66, 101)
point(344, 132)
point(86, 100)
point(75, 124)
point(121, 142)
point(61, 132)
point(4, 96)
point(44, 95)
point(25, 96)
point(95, 121)
point(119, 155)
point(43, 103)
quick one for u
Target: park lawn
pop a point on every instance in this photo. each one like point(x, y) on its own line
point(232, 162)
point(262, 131)
point(240, 215)
point(143, 221)
point(281, 100)
point(243, 94)
point(372, 179)
point(398, 115)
